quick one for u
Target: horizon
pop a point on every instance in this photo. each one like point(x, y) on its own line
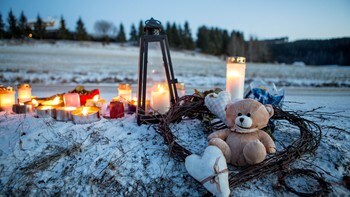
point(297, 20)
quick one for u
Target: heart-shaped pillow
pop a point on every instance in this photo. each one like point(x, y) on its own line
point(210, 170)
point(216, 103)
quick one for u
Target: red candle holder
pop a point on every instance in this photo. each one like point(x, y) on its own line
point(116, 109)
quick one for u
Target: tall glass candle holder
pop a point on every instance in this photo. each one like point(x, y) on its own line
point(235, 74)
point(24, 93)
point(7, 98)
point(124, 92)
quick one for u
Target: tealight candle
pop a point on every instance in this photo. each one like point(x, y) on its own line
point(84, 115)
point(235, 74)
point(7, 98)
point(46, 111)
point(71, 100)
point(24, 93)
point(22, 108)
point(160, 99)
point(64, 113)
point(102, 104)
point(124, 92)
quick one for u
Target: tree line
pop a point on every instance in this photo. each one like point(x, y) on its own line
point(210, 40)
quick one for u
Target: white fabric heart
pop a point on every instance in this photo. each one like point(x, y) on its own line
point(216, 103)
point(210, 170)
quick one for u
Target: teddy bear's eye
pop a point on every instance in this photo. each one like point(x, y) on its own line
point(239, 114)
point(248, 114)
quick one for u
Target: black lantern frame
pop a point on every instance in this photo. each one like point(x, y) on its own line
point(152, 30)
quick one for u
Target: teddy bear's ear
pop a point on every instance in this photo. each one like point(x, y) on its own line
point(269, 109)
point(228, 105)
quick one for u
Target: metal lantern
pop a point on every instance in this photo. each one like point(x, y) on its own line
point(146, 101)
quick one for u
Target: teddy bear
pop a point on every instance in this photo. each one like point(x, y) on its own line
point(243, 142)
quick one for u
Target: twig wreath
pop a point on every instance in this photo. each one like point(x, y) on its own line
point(192, 106)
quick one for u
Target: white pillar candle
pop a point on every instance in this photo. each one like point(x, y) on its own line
point(71, 100)
point(160, 99)
point(24, 93)
point(7, 98)
point(235, 74)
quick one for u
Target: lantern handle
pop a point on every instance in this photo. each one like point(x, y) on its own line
point(153, 23)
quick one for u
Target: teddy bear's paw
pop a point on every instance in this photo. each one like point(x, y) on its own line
point(271, 150)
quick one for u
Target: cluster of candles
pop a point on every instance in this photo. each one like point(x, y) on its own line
point(69, 106)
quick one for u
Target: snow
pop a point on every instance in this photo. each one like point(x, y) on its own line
point(42, 156)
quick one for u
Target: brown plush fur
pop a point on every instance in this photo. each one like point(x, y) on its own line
point(244, 143)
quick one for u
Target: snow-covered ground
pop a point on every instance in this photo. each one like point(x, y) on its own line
point(91, 63)
point(116, 157)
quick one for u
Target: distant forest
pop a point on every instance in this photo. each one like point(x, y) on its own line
point(210, 40)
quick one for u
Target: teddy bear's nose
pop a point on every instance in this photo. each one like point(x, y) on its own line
point(241, 119)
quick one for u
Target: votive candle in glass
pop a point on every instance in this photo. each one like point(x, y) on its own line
point(235, 75)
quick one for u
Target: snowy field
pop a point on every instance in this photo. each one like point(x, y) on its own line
point(41, 157)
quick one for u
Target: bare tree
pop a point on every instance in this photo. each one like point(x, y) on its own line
point(104, 29)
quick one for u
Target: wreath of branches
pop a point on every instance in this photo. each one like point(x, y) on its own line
point(192, 106)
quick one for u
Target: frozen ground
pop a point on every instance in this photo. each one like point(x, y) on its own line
point(40, 157)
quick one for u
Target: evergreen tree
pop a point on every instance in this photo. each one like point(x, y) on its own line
point(133, 34)
point(169, 34)
point(2, 28)
point(121, 34)
point(39, 28)
point(225, 42)
point(187, 37)
point(236, 44)
point(80, 32)
point(63, 32)
point(175, 36)
point(24, 29)
point(141, 29)
point(12, 28)
point(203, 39)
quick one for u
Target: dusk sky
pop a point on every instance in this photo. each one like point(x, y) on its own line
point(296, 19)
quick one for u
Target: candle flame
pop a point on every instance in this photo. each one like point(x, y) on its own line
point(56, 100)
point(85, 111)
point(95, 99)
point(160, 88)
point(35, 102)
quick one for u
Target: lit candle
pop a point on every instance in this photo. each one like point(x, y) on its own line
point(46, 111)
point(84, 115)
point(102, 104)
point(64, 113)
point(160, 99)
point(124, 92)
point(7, 98)
point(55, 102)
point(24, 93)
point(34, 103)
point(71, 100)
point(181, 89)
point(116, 109)
point(235, 73)
point(132, 106)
